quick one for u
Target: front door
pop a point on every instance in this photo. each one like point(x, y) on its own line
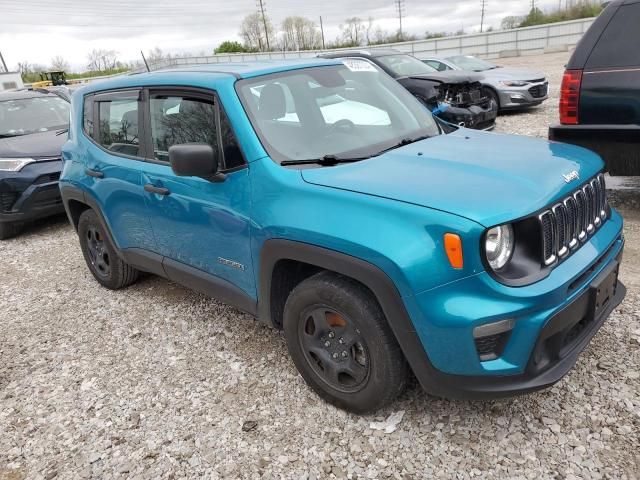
point(196, 221)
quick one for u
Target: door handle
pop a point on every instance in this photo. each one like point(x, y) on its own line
point(94, 173)
point(153, 189)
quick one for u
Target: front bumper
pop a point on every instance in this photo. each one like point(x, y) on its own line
point(522, 97)
point(477, 117)
point(553, 322)
point(32, 193)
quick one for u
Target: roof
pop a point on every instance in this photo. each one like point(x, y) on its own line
point(249, 69)
point(24, 93)
point(374, 52)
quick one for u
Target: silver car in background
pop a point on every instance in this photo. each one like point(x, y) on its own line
point(511, 88)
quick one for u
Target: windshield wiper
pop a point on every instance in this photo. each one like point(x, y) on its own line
point(9, 135)
point(326, 161)
point(62, 132)
point(402, 143)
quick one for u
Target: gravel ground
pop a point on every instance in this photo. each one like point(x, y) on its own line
point(159, 382)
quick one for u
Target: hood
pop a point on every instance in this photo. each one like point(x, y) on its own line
point(451, 77)
point(508, 73)
point(486, 177)
point(42, 144)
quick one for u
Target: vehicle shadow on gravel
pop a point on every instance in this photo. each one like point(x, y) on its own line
point(44, 226)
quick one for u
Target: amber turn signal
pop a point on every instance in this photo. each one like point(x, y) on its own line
point(453, 247)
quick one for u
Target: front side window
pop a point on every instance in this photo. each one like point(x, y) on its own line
point(405, 65)
point(33, 115)
point(350, 110)
point(177, 119)
point(119, 126)
point(441, 67)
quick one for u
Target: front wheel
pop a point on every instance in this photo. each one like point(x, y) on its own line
point(103, 262)
point(342, 345)
point(493, 96)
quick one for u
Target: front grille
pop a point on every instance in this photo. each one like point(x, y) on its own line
point(7, 199)
point(570, 222)
point(539, 91)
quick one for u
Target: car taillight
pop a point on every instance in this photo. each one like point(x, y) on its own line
point(570, 97)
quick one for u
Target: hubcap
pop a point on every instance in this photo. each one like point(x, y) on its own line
point(97, 252)
point(334, 348)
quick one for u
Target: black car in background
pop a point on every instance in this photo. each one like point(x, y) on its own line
point(33, 128)
point(456, 97)
point(600, 94)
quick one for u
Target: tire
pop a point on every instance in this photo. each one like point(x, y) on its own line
point(8, 230)
point(491, 93)
point(342, 345)
point(101, 257)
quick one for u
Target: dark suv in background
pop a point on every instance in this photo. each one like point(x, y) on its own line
point(33, 128)
point(600, 94)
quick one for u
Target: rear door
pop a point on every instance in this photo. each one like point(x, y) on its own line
point(610, 92)
point(114, 158)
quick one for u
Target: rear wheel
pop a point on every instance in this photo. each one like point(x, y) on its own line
point(342, 345)
point(103, 262)
point(8, 230)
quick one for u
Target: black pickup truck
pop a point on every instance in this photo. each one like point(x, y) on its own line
point(600, 94)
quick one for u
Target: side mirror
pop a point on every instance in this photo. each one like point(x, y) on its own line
point(194, 160)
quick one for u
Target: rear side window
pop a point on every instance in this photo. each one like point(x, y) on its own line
point(118, 129)
point(618, 45)
point(181, 119)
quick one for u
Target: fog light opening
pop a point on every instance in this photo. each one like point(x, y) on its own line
point(491, 338)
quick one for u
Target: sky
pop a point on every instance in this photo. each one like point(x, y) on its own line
point(37, 30)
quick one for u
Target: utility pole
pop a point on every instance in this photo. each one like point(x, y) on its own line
point(261, 5)
point(4, 65)
point(400, 8)
point(484, 6)
point(322, 32)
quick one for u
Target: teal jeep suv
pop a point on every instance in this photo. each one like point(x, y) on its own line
point(322, 198)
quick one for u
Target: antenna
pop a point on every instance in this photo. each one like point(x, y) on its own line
point(400, 9)
point(261, 4)
point(145, 61)
point(484, 6)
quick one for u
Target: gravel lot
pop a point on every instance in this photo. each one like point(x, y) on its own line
point(158, 382)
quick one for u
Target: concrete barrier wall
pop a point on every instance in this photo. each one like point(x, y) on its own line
point(521, 41)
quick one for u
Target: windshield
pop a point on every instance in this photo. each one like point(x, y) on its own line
point(405, 65)
point(467, 62)
point(32, 115)
point(354, 111)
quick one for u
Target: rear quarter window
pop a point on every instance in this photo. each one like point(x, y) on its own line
point(618, 46)
point(87, 116)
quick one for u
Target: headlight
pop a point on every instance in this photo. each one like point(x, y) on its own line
point(498, 246)
point(514, 83)
point(14, 164)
